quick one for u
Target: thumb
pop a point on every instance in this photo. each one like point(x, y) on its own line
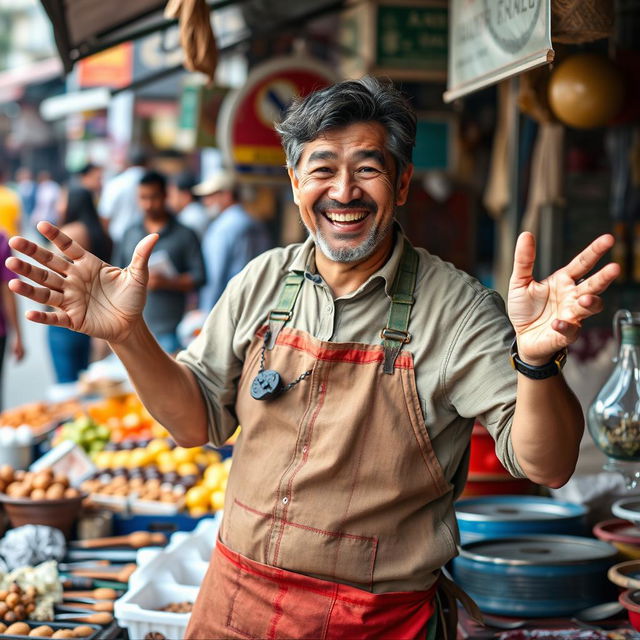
point(138, 266)
point(523, 260)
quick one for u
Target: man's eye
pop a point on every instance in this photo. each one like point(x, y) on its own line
point(369, 170)
point(321, 170)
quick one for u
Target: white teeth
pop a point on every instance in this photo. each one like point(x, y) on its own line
point(346, 217)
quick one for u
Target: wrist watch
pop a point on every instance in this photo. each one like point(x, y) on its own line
point(551, 368)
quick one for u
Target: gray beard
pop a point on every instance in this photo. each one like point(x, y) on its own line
point(356, 254)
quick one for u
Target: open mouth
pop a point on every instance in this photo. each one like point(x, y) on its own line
point(346, 218)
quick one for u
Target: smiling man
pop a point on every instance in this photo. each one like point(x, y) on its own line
point(356, 365)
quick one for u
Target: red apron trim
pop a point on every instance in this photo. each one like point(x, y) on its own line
point(324, 588)
point(371, 355)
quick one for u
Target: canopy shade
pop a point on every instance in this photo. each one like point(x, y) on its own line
point(84, 27)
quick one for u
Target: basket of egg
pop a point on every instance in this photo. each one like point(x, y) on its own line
point(40, 497)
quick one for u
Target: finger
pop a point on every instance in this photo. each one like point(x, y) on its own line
point(69, 247)
point(587, 259)
point(590, 305)
point(568, 330)
point(599, 281)
point(45, 257)
point(524, 259)
point(41, 276)
point(57, 318)
point(37, 294)
point(138, 266)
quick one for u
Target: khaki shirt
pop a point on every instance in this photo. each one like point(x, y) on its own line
point(460, 344)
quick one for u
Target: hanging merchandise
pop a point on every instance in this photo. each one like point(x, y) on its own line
point(586, 90)
point(614, 417)
point(577, 21)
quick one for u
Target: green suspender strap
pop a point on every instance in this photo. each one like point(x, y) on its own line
point(284, 310)
point(395, 334)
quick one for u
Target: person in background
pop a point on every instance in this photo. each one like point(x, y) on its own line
point(231, 240)
point(118, 205)
point(27, 191)
point(47, 195)
point(90, 177)
point(10, 209)
point(70, 351)
point(186, 205)
point(176, 268)
point(8, 310)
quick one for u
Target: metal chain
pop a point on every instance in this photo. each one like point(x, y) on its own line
point(306, 374)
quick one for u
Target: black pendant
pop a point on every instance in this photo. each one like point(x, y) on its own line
point(267, 385)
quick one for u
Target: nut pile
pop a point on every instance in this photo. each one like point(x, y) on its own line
point(177, 607)
point(16, 603)
point(37, 485)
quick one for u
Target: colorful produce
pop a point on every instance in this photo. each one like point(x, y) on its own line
point(39, 415)
point(16, 604)
point(85, 432)
point(37, 485)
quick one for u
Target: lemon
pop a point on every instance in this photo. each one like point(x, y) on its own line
point(181, 455)
point(104, 459)
point(188, 469)
point(157, 445)
point(213, 475)
point(217, 500)
point(197, 496)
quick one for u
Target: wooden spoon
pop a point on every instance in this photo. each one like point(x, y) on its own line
point(101, 605)
point(94, 618)
point(101, 593)
point(121, 573)
point(135, 540)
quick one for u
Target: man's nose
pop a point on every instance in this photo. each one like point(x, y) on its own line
point(344, 187)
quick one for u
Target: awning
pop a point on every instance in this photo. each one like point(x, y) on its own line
point(14, 81)
point(84, 27)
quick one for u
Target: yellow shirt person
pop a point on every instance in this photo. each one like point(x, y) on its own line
point(10, 209)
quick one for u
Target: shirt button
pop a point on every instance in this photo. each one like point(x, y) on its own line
point(329, 309)
point(285, 500)
point(305, 449)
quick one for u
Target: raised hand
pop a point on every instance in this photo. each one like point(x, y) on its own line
point(88, 295)
point(547, 315)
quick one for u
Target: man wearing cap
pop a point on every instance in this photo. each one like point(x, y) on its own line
point(356, 365)
point(186, 205)
point(232, 239)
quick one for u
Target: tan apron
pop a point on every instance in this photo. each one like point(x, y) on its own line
point(335, 479)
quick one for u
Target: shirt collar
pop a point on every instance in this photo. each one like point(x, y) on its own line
point(304, 262)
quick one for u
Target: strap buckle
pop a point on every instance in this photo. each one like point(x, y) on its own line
point(395, 335)
point(278, 315)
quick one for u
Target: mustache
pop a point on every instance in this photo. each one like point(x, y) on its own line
point(326, 203)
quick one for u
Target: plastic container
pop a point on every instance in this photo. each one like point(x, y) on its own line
point(630, 600)
point(138, 610)
point(622, 534)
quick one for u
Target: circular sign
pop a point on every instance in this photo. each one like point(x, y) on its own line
point(248, 140)
point(512, 22)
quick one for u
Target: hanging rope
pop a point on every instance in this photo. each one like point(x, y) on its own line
point(196, 36)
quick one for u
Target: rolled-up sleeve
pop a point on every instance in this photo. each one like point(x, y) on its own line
point(477, 375)
point(217, 367)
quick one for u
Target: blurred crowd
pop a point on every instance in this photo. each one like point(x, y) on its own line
point(206, 236)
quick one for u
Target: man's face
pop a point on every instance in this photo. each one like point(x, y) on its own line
point(347, 190)
point(177, 199)
point(151, 200)
point(217, 202)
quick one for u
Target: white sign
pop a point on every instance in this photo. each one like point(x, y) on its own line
point(490, 40)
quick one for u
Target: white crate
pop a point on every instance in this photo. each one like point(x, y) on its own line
point(137, 610)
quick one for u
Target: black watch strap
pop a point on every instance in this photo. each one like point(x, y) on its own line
point(541, 372)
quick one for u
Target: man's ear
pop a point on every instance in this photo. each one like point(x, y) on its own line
point(294, 183)
point(403, 185)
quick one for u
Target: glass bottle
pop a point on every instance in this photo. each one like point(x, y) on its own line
point(614, 416)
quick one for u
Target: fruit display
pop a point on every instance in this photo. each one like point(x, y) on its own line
point(126, 418)
point(45, 631)
point(163, 472)
point(86, 432)
point(39, 416)
point(38, 485)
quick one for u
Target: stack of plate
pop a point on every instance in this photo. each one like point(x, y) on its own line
point(497, 516)
point(535, 575)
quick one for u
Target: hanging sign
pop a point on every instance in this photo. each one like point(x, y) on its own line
point(247, 138)
point(490, 40)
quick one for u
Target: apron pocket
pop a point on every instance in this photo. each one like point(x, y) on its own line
point(328, 555)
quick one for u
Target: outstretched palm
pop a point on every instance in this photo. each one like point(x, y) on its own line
point(88, 294)
point(547, 315)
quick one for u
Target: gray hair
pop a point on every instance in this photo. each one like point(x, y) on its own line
point(345, 103)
